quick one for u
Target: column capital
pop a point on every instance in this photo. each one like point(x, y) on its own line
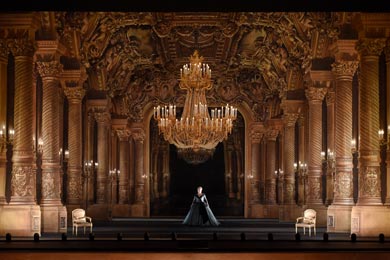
point(123, 134)
point(256, 135)
point(102, 117)
point(138, 135)
point(370, 47)
point(75, 94)
point(315, 94)
point(386, 50)
point(344, 69)
point(73, 78)
point(21, 47)
point(3, 50)
point(49, 69)
point(271, 134)
point(289, 119)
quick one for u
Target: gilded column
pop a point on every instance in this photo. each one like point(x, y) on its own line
point(75, 96)
point(315, 96)
point(140, 176)
point(255, 158)
point(289, 149)
point(102, 119)
point(330, 111)
point(123, 166)
point(51, 169)
point(270, 180)
point(343, 188)
point(23, 179)
point(387, 53)
point(369, 158)
point(3, 118)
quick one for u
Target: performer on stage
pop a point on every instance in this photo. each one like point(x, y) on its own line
point(200, 213)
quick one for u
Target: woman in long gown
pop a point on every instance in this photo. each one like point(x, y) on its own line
point(200, 213)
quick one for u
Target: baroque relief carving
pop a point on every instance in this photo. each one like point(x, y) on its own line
point(315, 94)
point(49, 189)
point(343, 185)
point(74, 94)
point(345, 68)
point(23, 181)
point(314, 188)
point(74, 184)
point(370, 184)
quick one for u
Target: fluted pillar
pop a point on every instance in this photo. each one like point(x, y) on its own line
point(270, 180)
point(315, 96)
point(387, 53)
point(102, 119)
point(51, 169)
point(123, 166)
point(140, 176)
point(330, 112)
point(3, 120)
point(256, 164)
point(23, 179)
point(369, 158)
point(75, 96)
point(343, 188)
point(289, 150)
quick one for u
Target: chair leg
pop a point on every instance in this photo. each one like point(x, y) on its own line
point(84, 230)
point(314, 230)
point(309, 231)
point(90, 229)
point(304, 230)
point(76, 231)
point(296, 230)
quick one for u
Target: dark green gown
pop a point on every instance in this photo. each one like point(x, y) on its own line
point(200, 213)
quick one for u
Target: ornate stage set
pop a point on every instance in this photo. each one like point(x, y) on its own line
point(91, 103)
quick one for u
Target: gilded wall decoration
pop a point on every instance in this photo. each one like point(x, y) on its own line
point(73, 187)
point(314, 189)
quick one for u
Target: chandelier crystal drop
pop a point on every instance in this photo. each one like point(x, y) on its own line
point(196, 130)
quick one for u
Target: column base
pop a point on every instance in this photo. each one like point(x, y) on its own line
point(290, 213)
point(321, 210)
point(138, 210)
point(339, 218)
point(121, 210)
point(98, 212)
point(20, 220)
point(367, 221)
point(54, 218)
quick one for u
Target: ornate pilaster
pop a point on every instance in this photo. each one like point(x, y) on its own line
point(289, 149)
point(315, 96)
point(123, 166)
point(51, 169)
point(369, 158)
point(140, 176)
point(270, 181)
point(343, 186)
point(75, 96)
point(387, 53)
point(102, 118)
point(23, 171)
point(256, 137)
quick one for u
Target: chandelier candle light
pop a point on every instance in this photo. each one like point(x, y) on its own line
point(196, 131)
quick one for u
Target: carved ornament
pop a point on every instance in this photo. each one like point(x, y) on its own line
point(315, 94)
point(345, 68)
point(49, 68)
point(343, 185)
point(370, 47)
point(22, 182)
point(370, 185)
point(75, 94)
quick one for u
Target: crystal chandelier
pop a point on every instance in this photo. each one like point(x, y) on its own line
point(196, 132)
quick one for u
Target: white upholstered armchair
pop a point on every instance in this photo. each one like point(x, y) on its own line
point(80, 220)
point(307, 221)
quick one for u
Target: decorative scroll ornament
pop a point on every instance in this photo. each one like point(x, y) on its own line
point(49, 187)
point(74, 185)
point(49, 68)
point(370, 47)
point(314, 188)
point(196, 130)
